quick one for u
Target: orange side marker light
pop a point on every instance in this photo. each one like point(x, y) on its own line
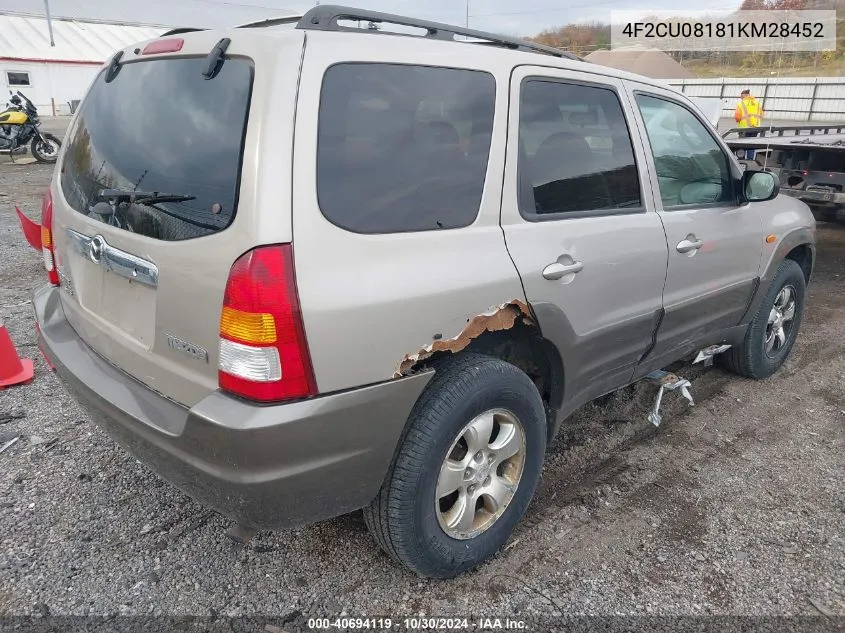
point(771, 239)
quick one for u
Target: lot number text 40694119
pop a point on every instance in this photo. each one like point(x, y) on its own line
point(417, 624)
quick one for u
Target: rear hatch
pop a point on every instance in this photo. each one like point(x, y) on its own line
point(156, 196)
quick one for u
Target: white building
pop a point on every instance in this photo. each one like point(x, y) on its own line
point(54, 76)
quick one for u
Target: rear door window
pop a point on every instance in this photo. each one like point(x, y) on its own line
point(160, 127)
point(576, 155)
point(403, 148)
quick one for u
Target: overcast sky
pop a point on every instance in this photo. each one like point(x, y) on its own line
point(502, 16)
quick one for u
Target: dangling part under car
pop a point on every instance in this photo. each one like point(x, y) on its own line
point(19, 125)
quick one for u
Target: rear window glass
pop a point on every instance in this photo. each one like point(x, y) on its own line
point(161, 127)
point(403, 148)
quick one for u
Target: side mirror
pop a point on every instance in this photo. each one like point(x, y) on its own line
point(759, 186)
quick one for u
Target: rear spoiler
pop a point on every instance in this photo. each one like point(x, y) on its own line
point(31, 230)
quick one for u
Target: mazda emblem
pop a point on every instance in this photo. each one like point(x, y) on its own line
point(95, 249)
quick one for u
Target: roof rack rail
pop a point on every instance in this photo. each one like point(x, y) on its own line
point(779, 130)
point(291, 19)
point(326, 17)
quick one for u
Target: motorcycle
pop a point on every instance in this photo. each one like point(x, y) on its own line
point(19, 125)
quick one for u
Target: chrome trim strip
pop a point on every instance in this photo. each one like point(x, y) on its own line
point(97, 250)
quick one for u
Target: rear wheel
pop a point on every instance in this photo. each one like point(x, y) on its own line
point(466, 470)
point(773, 330)
point(46, 151)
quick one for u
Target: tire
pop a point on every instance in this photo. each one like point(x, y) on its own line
point(406, 519)
point(762, 353)
point(46, 156)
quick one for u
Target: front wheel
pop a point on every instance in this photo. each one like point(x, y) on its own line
point(773, 330)
point(46, 151)
point(466, 470)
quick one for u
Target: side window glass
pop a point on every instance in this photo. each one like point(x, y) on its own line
point(691, 167)
point(403, 148)
point(575, 151)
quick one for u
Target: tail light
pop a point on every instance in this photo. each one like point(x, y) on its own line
point(263, 351)
point(47, 244)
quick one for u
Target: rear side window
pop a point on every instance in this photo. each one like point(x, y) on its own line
point(575, 151)
point(161, 127)
point(403, 148)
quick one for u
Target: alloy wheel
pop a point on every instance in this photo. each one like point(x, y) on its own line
point(780, 322)
point(480, 474)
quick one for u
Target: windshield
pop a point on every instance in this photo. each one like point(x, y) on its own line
point(160, 127)
point(22, 97)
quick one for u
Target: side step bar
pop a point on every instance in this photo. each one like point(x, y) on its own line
point(667, 381)
point(706, 355)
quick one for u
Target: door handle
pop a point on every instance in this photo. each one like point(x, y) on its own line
point(558, 270)
point(687, 245)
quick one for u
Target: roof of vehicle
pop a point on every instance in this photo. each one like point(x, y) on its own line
point(329, 18)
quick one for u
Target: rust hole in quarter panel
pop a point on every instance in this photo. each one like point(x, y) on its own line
point(502, 317)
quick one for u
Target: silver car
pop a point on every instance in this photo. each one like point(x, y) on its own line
point(300, 268)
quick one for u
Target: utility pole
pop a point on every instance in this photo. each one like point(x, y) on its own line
point(467, 4)
point(49, 22)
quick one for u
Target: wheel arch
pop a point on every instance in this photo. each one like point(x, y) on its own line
point(523, 346)
point(803, 256)
point(798, 246)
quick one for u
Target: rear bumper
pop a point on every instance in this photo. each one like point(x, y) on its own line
point(264, 466)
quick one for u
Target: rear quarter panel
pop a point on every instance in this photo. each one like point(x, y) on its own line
point(368, 301)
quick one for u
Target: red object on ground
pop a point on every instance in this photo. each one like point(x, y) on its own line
point(14, 370)
point(31, 230)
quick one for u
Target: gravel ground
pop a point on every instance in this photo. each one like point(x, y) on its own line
point(733, 507)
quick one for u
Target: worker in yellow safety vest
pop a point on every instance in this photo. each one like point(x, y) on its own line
point(748, 114)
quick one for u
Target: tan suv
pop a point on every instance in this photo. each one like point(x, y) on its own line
point(301, 268)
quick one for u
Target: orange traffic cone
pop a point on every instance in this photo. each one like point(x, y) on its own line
point(13, 369)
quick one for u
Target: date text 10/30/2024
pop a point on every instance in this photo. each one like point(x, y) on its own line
point(417, 624)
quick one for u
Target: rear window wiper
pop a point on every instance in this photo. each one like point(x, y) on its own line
point(117, 196)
